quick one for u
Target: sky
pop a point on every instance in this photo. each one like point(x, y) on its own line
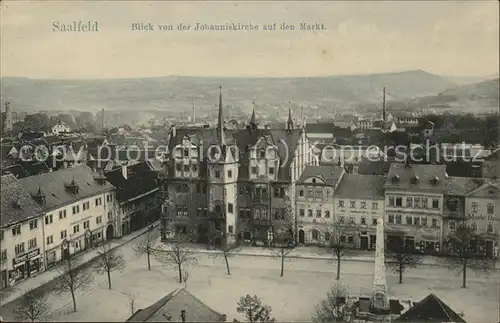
point(445, 38)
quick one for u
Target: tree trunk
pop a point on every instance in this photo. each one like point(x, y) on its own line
point(400, 273)
point(338, 268)
point(282, 264)
point(74, 300)
point(464, 274)
point(149, 262)
point(227, 264)
point(179, 267)
point(109, 279)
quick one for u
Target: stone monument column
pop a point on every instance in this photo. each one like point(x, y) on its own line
point(379, 302)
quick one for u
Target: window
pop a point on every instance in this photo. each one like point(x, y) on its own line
point(352, 219)
point(416, 220)
point(271, 170)
point(230, 229)
point(434, 222)
point(1, 235)
point(342, 239)
point(341, 219)
point(230, 207)
point(229, 174)
point(32, 243)
point(350, 239)
point(319, 193)
point(217, 174)
point(76, 209)
point(424, 221)
point(16, 230)
point(64, 234)
point(363, 220)
point(341, 203)
point(374, 205)
point(328, 193)
point(50, 239)
point(398, 219)
point(409, 202)
point(186, 168)
point(186, 152)
point(315, 234)
point(417, 202)
point(19, 248)
point(327, 236)
point(374, 220)
point(178, 167)
point(86, 224)
point(399, 201)
point(98, 201)
point(452, 225)
point(425, 204)
point(490, 227)
point(435, 203)
point(86, 205)
point(195, 168)
point(301, 193)
point(254, 170)
point(48, 219)
point(490, 208)
point(363, 204)
point(302, 212)
point(62, 214)
point(309, 212)
point(352, 204)
point(391, 200)
point(474, 207)
point(109, 198)
point(76, 228)
point(408, 219)
point(310, 192)
point(98, 219)
point(3, 255)
point(391, 218)
point(327, 214)
point(33, 224)
point(262, 154)
point(318, 213)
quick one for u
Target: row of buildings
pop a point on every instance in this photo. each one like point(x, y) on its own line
point(260, 178)
point(50, 216)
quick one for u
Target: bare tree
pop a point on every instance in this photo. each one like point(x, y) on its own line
point(464, 256)
point(283, 236)
point(72, 277)
point(33, 307)
point(340, 244)
point(177, 255)
point(131, 302)
point(400, 258)
point(253, 309)
point(333, 307)
point(225, 251)
point(108, 260)
point(146, 246)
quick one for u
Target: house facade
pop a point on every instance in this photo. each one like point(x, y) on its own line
point(21, 233)
point(79, 209)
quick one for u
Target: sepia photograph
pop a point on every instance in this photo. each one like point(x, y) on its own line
point(250, 161)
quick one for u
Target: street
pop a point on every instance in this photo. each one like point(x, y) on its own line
point(292, 297)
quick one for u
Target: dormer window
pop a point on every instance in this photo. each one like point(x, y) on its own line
point(39, 197)
point(395, 178)
point(435, 180)
point(17, 203)
point(262, 153)
point(314, 180)
point(414, 179)
point(100, 177)
point(72, 187)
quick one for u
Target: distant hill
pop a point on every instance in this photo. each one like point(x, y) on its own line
point(463, 80)
point(175, 93)
point(476, 97)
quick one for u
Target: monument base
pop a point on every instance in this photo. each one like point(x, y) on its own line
point(363, 311)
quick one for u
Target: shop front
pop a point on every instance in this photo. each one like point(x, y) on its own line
point(25, 266)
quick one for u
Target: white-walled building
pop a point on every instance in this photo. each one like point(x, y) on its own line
point(359, 202)
point(21, 235)
point(79, 207)
point(60, 128)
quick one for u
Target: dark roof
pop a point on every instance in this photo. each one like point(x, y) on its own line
point(52, 140)
point(430, 309)
point(16, 202)
point(491, 169)
point(172, 305)
point(460, 186)
point(329, 174)
point(17, 170)
point(375, 167)
point(54, 185)
point(425, 174)
point(361, 186)
point(35, 167)
point(495, 155)
point(320, 127)
point(140, 180)
point(95, 142)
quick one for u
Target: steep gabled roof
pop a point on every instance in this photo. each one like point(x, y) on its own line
point(16, 202)
point(460, 186)
point(140, 180)
point(169, 309)
point(361, 187)
point(430, 309)
point(328, 174)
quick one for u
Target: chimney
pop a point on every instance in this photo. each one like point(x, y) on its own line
point(266, 127)
point(174, 131)
point(124, 170)
point(183, 316)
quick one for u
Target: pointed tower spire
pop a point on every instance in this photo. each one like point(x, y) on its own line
point(383, 105)
point(289, 123)
point(220, 123)
point(253, 122)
